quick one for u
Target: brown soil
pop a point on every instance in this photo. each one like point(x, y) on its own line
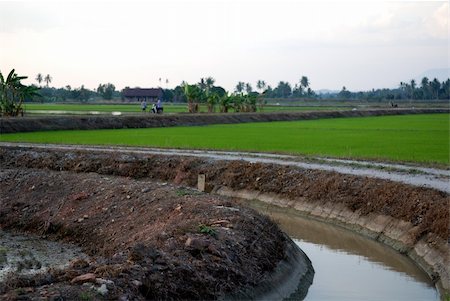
point(425, 208)
point(152, 240)
point(29, 124)
point(166, 220)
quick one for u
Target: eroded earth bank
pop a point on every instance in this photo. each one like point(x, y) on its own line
point(145, 239)
point(413, 220)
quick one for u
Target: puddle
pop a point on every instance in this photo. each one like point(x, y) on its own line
point(349, 266)
point(30, 255)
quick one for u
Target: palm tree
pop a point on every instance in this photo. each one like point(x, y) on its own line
point(260, 85)
point(240, 87)
point(202, 84)
point(39, 78)
point(248, 88)
point(435, 86)
point(48, 79)
point(425, 85)
point(304, 82)
point(412, 88)
point(209, 82)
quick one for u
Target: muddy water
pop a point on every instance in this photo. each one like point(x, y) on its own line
point(351, 267)
point(30, 255)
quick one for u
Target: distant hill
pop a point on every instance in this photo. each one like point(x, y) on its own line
point(442, 74)
point(326, 91)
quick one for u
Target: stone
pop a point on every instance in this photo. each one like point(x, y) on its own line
point(89, 277)
point(201, 184)
point(102, 290)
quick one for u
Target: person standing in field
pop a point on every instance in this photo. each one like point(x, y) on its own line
point(143, 105)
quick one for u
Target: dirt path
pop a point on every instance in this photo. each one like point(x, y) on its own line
point(435, 178)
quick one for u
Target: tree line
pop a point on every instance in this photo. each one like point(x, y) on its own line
point(244, 97)
point(425, 90)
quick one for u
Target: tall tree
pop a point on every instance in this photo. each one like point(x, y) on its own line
point(435, 87)
point(240, 87)
point(202, 84)
point(106, 90)
point(48, 79)
point(344, 93)
point(39, 79)
point(282, 90)
point(413, 88)
point(304, 82)
point(425, 86)
point(209, 82)
point(248, 88)
point(260, 85)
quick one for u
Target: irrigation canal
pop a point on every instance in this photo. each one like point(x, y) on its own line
point(349, 266)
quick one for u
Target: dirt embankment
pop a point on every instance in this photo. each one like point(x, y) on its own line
point(30, 124)
point(425, 208)
point(147, 240)
point(416, 216)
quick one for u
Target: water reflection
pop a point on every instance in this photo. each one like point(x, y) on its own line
point(350, 267)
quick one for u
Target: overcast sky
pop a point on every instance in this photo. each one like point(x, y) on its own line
point(359, 44)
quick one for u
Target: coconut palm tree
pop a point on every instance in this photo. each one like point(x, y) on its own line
point(47, 79)
point(260, 85)
point(425, 86)
point(435, 86)
point(304, 82)
point(240, 87)
point(209, 82)
point(248, 88)
point(39, 78)
point(413, 86)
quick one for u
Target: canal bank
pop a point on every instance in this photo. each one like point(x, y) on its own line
point(429, 253)
point(411, 219)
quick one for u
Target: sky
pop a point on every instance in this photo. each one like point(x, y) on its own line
point(361, 44)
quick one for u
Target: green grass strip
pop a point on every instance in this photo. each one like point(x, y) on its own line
point(416, 138)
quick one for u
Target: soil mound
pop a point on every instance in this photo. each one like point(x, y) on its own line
point(147, 240)
point(30, 124)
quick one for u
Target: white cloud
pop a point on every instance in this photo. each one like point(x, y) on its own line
point(437, 24)
point(135, 43)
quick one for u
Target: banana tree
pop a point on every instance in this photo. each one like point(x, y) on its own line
point(13, 93)
point(193, 94)
point(212, 99)
point(226, 102)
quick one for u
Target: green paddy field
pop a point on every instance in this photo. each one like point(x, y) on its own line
point(414, 138)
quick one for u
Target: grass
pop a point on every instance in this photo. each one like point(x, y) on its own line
point(415, 138)
point(136, 108)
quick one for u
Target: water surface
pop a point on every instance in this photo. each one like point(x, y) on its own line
point(349, 266)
